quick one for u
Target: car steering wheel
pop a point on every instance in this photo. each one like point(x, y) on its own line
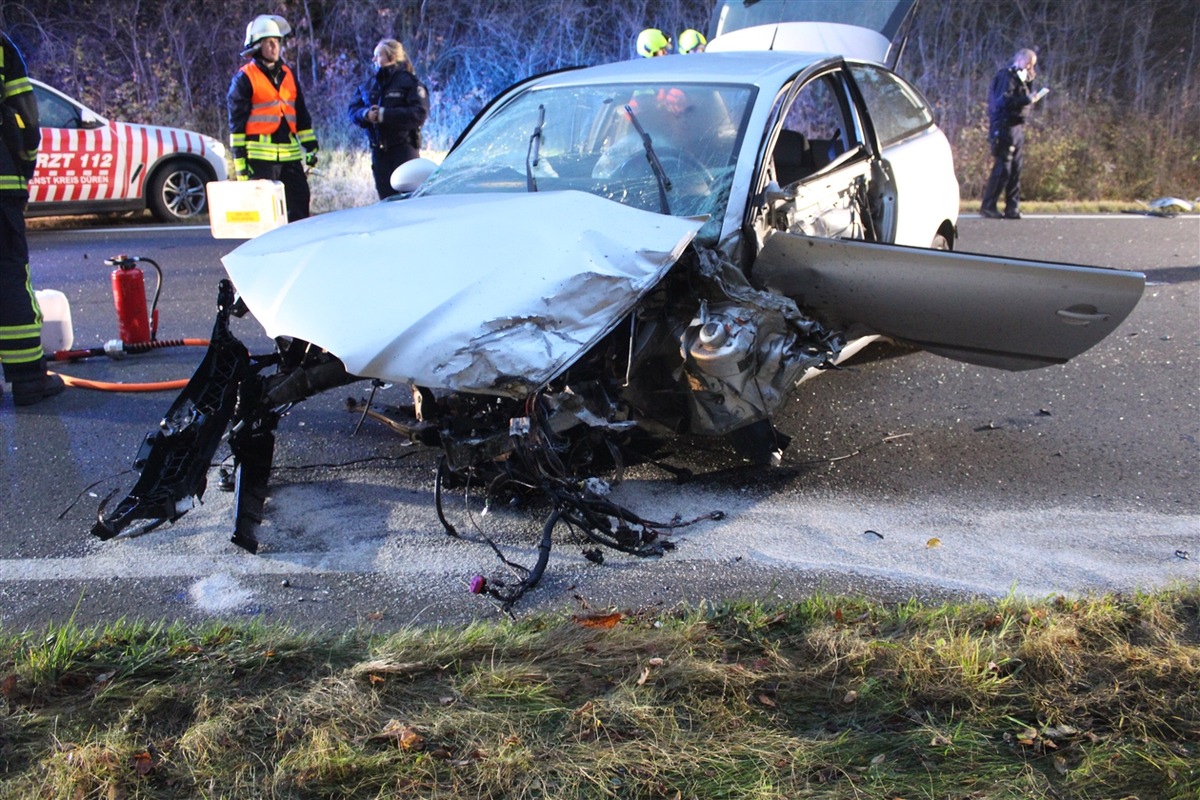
point(675, 163)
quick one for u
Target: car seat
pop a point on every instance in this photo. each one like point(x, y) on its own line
point(793, 157)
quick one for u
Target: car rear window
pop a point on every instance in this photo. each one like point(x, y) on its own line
point(884, 16)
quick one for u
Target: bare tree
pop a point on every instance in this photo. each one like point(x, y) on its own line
point(1123, 112)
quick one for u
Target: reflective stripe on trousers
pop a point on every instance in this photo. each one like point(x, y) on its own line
point(20, 315)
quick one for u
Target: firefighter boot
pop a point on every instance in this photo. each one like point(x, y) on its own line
point(36, 386)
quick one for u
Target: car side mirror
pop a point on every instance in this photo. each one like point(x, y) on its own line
point(411, 174)
point(89, 121)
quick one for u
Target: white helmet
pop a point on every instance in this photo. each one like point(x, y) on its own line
point(265, 26)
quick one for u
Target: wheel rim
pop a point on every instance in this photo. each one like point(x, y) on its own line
point(183, 194)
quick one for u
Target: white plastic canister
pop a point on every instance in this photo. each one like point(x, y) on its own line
point(57, 331)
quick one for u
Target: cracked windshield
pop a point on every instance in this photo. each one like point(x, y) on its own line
point(590, 139)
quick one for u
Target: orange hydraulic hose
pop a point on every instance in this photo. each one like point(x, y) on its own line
point(109, 386)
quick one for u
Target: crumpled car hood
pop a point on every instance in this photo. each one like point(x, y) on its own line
point(489, 293)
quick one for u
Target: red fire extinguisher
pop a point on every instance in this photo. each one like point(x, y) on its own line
point(135, 324)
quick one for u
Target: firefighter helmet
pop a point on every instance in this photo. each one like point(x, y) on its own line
point(652, 42)
point(266, 26)
point(692, 41)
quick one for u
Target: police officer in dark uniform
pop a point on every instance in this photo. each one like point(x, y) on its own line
point(269, 125)
point(20, 316)
point(391, 106)
point(1009, 102)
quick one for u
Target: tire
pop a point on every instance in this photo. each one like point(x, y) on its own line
point(940, 242)
point(176, 192)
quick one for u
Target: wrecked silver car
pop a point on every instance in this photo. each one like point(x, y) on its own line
point(607, 258)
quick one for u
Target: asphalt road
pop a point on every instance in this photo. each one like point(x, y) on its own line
point(908, 474)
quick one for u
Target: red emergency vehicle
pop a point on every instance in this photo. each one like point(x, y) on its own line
point(88, 164)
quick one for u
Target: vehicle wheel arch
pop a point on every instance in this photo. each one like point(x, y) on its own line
point(164, 168)
point(946, 233)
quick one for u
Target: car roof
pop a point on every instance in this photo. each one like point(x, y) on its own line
point(766, 69)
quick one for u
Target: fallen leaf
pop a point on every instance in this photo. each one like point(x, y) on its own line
point(766, 700)
point(1060, 764)
point(837, 616)
point(446, 701)
point(602, 621)
point(877, 760)
point(934, 542)
point(375, 616)
point(375, 679)
point(8, 685)
point(644, 677)
point(409, 739)
point(404, 736)
point(656, 662)
point(850, 697)
point(939, 741)
point(143, 763)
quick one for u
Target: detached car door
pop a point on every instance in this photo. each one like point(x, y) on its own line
point(1007, 313)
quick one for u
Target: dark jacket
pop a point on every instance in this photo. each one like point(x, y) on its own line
point(239, 100)
point(405, 105)
point(1008, 100)
point(19, 133)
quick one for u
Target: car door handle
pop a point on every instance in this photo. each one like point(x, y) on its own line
point(1080, 315)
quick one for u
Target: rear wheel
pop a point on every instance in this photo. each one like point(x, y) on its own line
point(940, 242)
point(176, 192)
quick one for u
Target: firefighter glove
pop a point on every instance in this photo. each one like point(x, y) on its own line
point(310, 158)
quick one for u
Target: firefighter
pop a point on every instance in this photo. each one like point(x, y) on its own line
point(692, 41)
point(20, 316)
point(652, 42)
point(270, 129)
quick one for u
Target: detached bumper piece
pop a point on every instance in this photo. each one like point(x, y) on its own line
point(231, 391)
point(174, 460)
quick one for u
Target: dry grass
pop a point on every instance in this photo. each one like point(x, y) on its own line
point(831, 698)
point(342, 179)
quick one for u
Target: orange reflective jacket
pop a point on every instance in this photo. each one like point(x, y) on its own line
point(268, 104)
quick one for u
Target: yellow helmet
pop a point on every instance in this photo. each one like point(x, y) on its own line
point(653, 42)
point(266, 26)
point(692, 41)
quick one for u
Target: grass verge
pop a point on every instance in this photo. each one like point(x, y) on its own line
point(971, 206)
point(830, 698)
